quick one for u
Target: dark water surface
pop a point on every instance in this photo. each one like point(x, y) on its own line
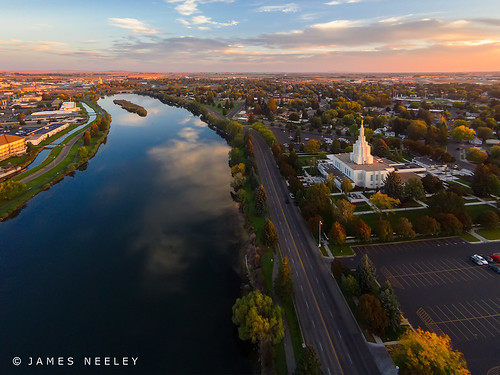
point(134, 257)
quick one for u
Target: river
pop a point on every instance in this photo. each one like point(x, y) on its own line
point(134, 257)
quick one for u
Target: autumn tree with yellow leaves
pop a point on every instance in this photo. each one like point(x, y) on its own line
point(425, 353)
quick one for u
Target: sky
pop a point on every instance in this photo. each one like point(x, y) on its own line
point(330, 36)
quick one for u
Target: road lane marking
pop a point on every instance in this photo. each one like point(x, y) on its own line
point(303, 267)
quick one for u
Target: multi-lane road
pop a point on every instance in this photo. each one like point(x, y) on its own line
point(325, 318)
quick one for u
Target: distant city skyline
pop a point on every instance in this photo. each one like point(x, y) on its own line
point(328, 36)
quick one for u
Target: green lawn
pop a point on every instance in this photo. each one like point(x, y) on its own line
point(280, 359)
point(489, 234)
point(362, 207)
point(341, 250)
point(469, 237)
point(258, 222)
point(216, 108)
point(413, 216)
point(267, 268)
point(475, 210)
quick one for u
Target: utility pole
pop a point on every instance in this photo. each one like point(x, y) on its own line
point(319, 234)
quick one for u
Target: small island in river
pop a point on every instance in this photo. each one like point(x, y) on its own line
point(131, 107)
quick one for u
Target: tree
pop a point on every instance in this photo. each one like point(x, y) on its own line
point(270, 235)
point(272, 106)
point(417, 129)
point(422, 352)
point(431, 183)
point(258, 318)
point(462, 133)
point(414, 189)
point(238, 181)
point(449, 224)
point(338, 269)
point(380, 148)
point(447, 202)
point(294, 116)
point(393, 186)
point(337, 234)
point(260, 201)
point(488, 219)
point(484, 132)
point(238, 168)
point(82, 153)
point(404, 228)
point(480, 181)
point(86, 138)
point(350, 286)
point(346, 185)
point(234, 128)
point(383, 202)
point(495, 152)
point(362, 230)
point(330, 181)
point(476, 155)
point(94, 130)
point(11, 189)
point(372, 314)
point(283, 283)
point(366, 275)
point(103, 124)
point(428, 225)
point(384, 230)
point(308, 362)
point(317, 202)
point(390, 304)
point(343, 211)
point(312, 146)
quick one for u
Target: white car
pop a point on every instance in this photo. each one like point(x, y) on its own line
point(479, 260)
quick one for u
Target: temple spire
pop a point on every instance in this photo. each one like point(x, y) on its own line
point(361, 151)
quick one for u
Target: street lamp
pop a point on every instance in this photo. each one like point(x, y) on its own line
point(319, 234)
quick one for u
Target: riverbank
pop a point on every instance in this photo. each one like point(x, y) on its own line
point(61, 161)
point(131, 107)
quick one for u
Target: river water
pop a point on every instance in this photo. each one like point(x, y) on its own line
point(134, 257)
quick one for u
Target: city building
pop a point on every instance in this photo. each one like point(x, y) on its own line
point(11, 145)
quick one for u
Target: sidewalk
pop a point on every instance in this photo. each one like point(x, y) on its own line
point(472, 232)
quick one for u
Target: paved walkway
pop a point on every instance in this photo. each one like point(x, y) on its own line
point(479, 237)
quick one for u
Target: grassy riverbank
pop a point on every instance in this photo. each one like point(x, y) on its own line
point(66, 166)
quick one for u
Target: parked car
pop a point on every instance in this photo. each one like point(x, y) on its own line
point(496, 257)
point(487, 258)
point(478, 259)
point(494, 267)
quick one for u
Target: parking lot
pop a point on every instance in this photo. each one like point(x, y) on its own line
point(441, 290)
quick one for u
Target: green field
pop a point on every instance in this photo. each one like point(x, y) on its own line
point(490, 234)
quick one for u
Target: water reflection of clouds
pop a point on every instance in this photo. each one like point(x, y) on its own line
point(190, 134)
point(193, 120)
point(196, 178)
point(128, 119)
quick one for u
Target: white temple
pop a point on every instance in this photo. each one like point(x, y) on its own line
point(361, 149)
point(362, 168)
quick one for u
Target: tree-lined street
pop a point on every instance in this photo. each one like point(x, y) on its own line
point(324, 316)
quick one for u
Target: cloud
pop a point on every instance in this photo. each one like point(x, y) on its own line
point(201, 20)
point(339, 2)
point(190, 7)
point(133, 24)
point(285, 8)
